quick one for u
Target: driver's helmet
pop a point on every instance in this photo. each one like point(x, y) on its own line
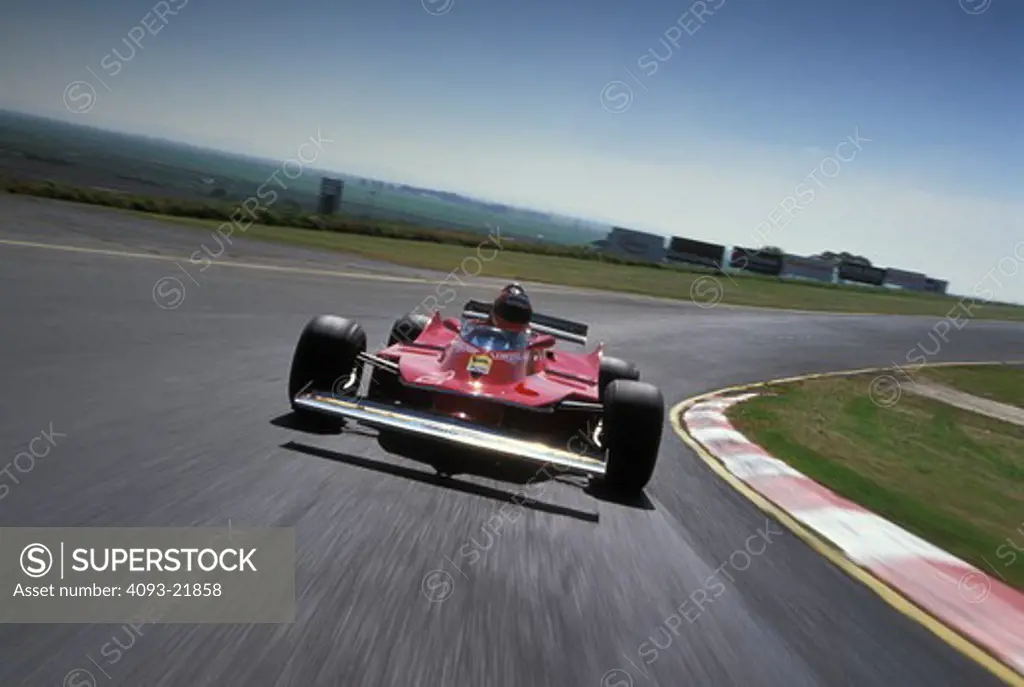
point(512, 310)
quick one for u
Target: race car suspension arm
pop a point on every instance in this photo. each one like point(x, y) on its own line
point(383, 364)
point(581, 405)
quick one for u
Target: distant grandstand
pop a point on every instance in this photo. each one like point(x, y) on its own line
point(827, 267)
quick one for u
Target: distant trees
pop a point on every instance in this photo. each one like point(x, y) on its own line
point(828, 255)
point(844, 256)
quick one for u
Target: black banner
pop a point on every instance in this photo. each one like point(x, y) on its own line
point(756, 261)
point(698, 249)
point(861, 273)
point(908, 280)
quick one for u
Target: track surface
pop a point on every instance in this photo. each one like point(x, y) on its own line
point(168, 417)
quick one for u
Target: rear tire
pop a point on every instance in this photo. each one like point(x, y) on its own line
point(615, 368)
point(407, 328)
point(631, 427)
point(385, 385)
point(325, 357)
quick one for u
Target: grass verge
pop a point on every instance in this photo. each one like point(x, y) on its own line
point(997, 383)
point(449, 251)
point(950, 476)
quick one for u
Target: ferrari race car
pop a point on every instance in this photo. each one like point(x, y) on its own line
point(491, 380)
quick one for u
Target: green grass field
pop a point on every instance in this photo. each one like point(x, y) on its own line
point(448, 251)
point(665, 282)
point(952, 477)
point(993, 383)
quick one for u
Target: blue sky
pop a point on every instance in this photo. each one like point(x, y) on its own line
point(504, 100)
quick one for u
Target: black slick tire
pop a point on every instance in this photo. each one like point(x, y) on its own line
point(631, 428)
point(325, 356)
point(407, 328)
point(615, 368)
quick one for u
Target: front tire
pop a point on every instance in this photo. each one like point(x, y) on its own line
point(325, 358)
point(631, 427)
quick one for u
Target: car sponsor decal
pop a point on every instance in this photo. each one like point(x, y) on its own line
point(510, 356)
point(479, 364)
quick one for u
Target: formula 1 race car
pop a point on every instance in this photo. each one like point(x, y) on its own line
point(491, 380)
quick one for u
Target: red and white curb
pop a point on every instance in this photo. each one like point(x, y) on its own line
point(964, 598)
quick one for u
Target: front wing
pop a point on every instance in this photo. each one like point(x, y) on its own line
point(383, 416)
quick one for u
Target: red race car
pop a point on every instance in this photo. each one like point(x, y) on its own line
point(492, 380)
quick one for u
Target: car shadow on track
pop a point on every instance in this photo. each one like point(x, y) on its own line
point(519, 498)
point(448, 463)
point(602, 493)
point(308, 425)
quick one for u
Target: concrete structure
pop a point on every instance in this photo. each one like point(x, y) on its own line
point(691, 259)
point(798, 267)
point(903, 279)
point(635, 245)
point(689, 251)
point(855, 273)
point(756, 261)
point(330, 196)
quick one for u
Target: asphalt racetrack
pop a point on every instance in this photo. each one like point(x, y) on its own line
point(172, 418)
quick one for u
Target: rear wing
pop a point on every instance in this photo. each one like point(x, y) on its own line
point(566, 330)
